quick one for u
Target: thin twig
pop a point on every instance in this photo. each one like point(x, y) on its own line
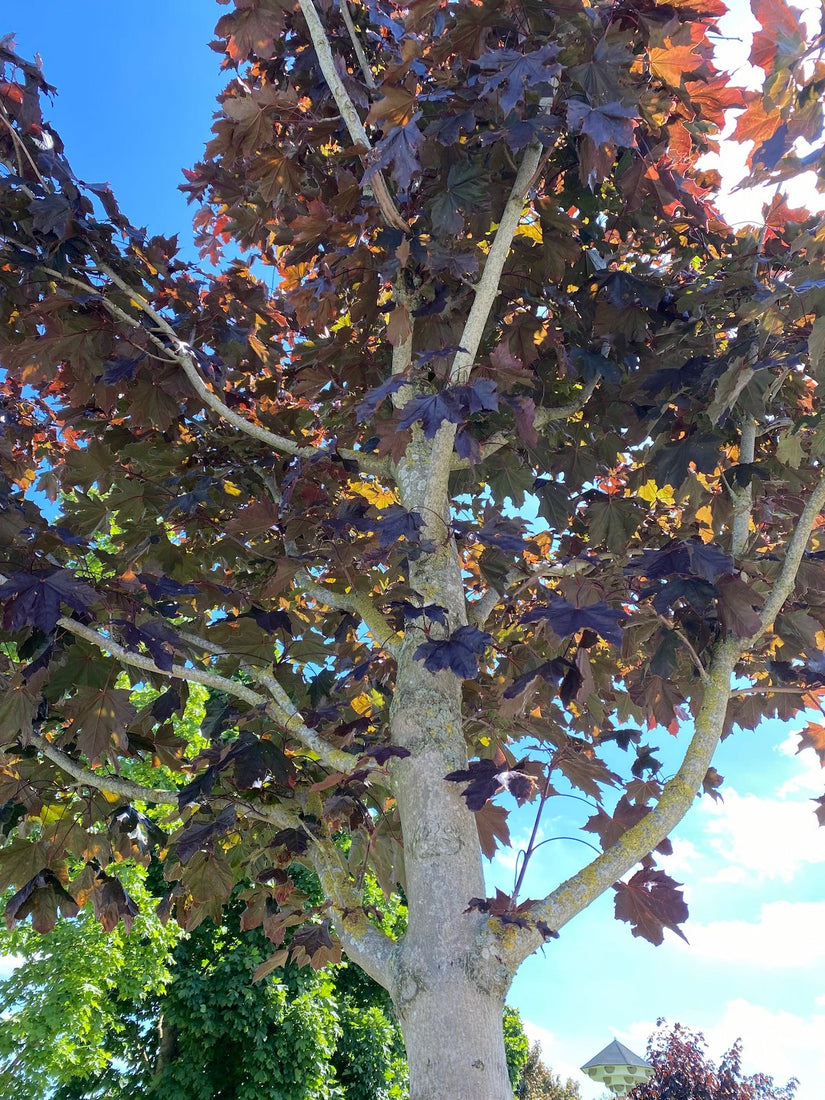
point(694, 656)
point(364, 64)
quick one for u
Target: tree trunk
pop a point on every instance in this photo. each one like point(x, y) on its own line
point(455, 1044)
point(447, 993)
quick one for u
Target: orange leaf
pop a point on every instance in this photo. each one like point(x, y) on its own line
point(813, 738)
point(395, 109)
point(672, 63)
point(756, 124)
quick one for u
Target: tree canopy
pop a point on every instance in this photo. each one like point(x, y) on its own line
point(517, 460)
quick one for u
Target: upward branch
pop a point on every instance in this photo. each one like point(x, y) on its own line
point(486, 292)
point(577, 892)
point(582, 888)
point(389, 210)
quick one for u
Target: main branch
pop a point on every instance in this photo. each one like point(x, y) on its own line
point(587, 884)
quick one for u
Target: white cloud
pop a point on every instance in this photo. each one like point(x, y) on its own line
point(787, 934)
point(762, 838)
point(9, 963)
point(810, 777)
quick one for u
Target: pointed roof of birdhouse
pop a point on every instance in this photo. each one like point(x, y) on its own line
point(616, 1054)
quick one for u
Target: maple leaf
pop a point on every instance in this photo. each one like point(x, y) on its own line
point(314, 944)
point(518, 71)
point(820, 810)
point(579, 764)
point(99, 721)
point(813, 737)
point(20, 701)
point(780, 30)
point(395, 109)
point(201, 836)
point(651, 902)
point(689, 557)
point(111, 903)
point(35, 599)
point(395, 523)
point(464, 191)
point(121, 368)
point(459, 652)
point(253, 28)
point(738, 606)
point(606, 124)
point(432, 409)
point(399, 148)
point(44, 898)
point(373, 399)
point(711, 783)
point(673, 63)
point(672, 462)
point(485, 778)
point(493, 831)
point(613, 521)
point(566, 619)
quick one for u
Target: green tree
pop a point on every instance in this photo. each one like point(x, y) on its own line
point(540, 1083)
point(501, 272)
point(92, 1015)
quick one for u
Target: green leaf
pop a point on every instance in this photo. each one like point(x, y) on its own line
point(613, 522)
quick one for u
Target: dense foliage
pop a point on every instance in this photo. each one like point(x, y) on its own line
point(90, 1015)
point(503, 290)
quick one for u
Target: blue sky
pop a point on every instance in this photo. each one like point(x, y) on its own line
point(136, 85)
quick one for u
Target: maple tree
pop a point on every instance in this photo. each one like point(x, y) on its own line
point(682, 1070)
point(502, 284)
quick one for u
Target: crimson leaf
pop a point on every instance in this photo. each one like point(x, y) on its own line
point(651, 902)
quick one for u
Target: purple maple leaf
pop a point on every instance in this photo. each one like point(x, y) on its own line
point(566, 619)
point(458, 653)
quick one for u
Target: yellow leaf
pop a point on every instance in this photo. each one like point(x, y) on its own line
point(362, 704)
point(231, 488)
point(374, 493)
point(705, 519)
point(531, 230)
point(651, 492)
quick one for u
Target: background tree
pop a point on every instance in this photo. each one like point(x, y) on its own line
point(682, 1070)
point(92, 1015)
point(540, 1083)
point(500, 273)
